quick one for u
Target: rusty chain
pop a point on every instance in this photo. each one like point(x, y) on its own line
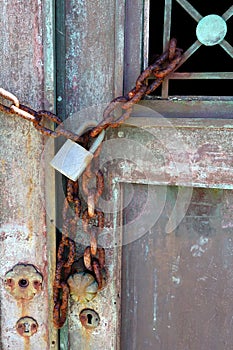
point(25, 112)
point(160, 69)
point(92, 178)
point(93, 218)
point(65, 259)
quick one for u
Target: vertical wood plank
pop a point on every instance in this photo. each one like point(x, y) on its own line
point(27, 71)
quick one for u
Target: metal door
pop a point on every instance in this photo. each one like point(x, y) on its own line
point(176, 262)
point(63, 56)
point(168, 238)
point(27, 233)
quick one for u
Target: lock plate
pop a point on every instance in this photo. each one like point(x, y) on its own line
point(89, 318)
point(26, 326)
point(23, 282)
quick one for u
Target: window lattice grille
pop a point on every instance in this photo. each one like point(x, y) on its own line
point(207, 63)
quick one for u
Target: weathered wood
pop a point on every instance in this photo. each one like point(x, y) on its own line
point(27, 72)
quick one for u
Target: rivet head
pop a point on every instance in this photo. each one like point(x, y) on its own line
point(120, 134)
point(211, 30)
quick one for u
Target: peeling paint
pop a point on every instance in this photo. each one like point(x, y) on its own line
point(200, 247)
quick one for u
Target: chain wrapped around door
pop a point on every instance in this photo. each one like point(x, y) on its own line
point(92, 217)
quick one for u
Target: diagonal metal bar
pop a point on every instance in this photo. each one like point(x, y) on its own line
point(190, 9)
point(185, 56)
point(189, 52)
point(227, 47)
point(228, 13)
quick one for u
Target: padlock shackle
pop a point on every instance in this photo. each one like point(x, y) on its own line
point(97, 142)
point(89, 124)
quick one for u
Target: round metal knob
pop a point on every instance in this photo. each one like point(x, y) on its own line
point(211, 30)
point(83, 286)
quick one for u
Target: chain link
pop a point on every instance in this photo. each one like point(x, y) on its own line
point(163, 66)
point(65, 259)
point(92, 218)
point(36, 118)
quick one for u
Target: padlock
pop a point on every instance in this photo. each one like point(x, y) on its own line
point(72, 159)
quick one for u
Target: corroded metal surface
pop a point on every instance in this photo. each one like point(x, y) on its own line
point(177, 261)
point(92, 52)
point(186, 299)
point(83, 286)
point(23, 282)
point(93, 74)
point(23, 232)
point(26, 326)
point(188, 152)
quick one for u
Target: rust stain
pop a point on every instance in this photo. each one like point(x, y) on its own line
point(26, 343)
point(38, 47)
point(30, 225)
point(3, 166)
point(86, 338)
point(23, 282)
point(29, 142)
point(23, 304)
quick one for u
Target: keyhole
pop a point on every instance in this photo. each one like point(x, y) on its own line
point(89, 318)
point(23, 283)
point(26, 327)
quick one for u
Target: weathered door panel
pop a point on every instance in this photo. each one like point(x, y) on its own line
point(177, 287)
point(26, 236)
point(176, 233)
point(90, 74)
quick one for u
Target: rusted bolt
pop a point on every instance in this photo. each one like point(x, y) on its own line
point(23, 281)
point(89, 318)
point(26, 326)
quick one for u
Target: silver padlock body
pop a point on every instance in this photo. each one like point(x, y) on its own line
point(71, 160)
